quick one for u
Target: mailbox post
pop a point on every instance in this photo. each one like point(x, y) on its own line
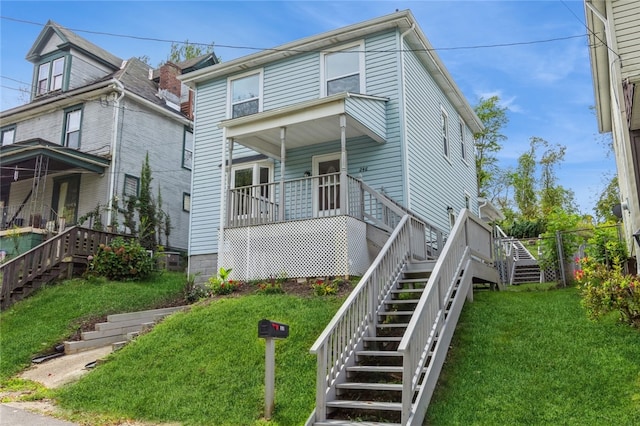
point(270, 330)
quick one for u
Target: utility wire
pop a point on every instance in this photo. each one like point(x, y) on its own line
point(485, 46)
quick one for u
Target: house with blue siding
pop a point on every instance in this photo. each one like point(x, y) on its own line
point(78, 145)
point(303, 152)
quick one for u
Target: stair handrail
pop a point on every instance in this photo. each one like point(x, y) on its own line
point(335, 347)
point(470, 238)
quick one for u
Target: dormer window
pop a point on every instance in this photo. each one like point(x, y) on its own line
point(343, 70)
point(50, 76)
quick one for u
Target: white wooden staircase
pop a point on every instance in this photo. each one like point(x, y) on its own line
point(380, 357)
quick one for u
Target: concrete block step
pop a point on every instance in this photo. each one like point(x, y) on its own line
point(144, 315)
point(112, 331)
point(83, 345)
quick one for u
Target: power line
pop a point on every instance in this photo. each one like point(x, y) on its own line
point(228, 46)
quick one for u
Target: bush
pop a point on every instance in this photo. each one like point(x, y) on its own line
point(221, 284)
point(270, 287)
point(122, 260)
point(324, 288)
point(606, 289)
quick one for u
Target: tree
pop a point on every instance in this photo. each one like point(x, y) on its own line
point(147, 208)
point(185, 51)
point(488, 141)
point(524, 183)
point(609, 197)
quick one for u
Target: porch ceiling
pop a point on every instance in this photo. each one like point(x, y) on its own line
point(23, 156)
point(308, 123)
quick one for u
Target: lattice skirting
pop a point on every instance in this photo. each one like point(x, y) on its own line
point(333, 246)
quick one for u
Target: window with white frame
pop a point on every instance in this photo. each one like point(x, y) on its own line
point(252, 189)
point(50, 76)
point(186, 202)
point(72, 123)
point(187, 149)
point(8, 135)
point(463, 146)
point(245, 95)
point(130, 186)
point(343, 70)
point(444, 122)
point(467, 201)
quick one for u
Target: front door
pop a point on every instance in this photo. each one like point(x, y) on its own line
point(327, 184)
point(66, 194)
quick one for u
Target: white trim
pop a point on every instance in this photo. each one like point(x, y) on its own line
point(231, 79)
point(446, 136)
point(361, 65)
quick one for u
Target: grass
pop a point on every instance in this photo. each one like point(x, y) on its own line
point(527, 356)
point(531, 357)
point(54, 313)
point(206, 367)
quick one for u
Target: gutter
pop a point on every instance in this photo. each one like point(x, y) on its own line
point(403, 117)
point(114, 149)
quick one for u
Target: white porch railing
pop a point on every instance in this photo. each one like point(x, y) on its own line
point(319, 196)
point(343, 336)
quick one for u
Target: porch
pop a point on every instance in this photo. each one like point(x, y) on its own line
point(315, 228)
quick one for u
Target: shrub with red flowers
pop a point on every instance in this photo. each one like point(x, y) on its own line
point(606, 289)
point(122, 260)
point(324, 288)
point(221, 284)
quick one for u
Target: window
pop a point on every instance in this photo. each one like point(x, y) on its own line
point(467, 201)
point(72, 122)
point(131, 186)
point(252, 189)
point(50, 76)
point(187, 149)
point(246, 95)
point(462, 140)
point(444, 119)
point(186, 202)
point(342, 71)
point(8, 135)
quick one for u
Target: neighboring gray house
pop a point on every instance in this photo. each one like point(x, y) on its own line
point(317, 132)
point(82, 139)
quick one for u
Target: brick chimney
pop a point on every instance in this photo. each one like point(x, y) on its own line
point(168, 78)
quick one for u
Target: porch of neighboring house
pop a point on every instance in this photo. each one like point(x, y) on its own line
point(325, 223)
point(40, 191)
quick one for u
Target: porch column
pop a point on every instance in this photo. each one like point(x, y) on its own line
point(344, 188)
point(228, 196)
point(283, 158)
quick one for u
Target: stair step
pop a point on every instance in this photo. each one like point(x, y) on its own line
point(354, 423)
point(371, 386)
point(401, 301)
point(394, 325)
point(366, 405)
point(378, 353)
point(375, 369)
point(383, 339)
point(406, 290)
point(421, 280)
point(392, 313)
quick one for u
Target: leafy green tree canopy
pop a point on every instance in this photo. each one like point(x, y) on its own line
point(489, 141)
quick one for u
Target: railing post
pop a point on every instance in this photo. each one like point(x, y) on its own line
point(321, 385)
point(343, 162)
point(283, 156)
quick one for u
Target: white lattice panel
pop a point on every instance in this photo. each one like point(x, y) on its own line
point(333, 246)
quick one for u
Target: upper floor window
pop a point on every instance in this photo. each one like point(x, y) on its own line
point(8, 135)
point(444, 122)
point(72, 123)
point(187, 149)
point(463, 146)
point(246, 96)
point(186, 202)
point(343, 71)
point(50, 76)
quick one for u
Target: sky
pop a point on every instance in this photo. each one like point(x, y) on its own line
point(533, 54)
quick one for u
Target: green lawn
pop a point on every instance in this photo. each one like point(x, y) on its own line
point(527, 356)
point(533, 358)
point(51, 315)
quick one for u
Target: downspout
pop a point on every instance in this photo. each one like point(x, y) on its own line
point(403, 116)
point(114, 149)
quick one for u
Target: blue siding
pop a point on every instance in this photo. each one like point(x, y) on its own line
point(435, 181)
